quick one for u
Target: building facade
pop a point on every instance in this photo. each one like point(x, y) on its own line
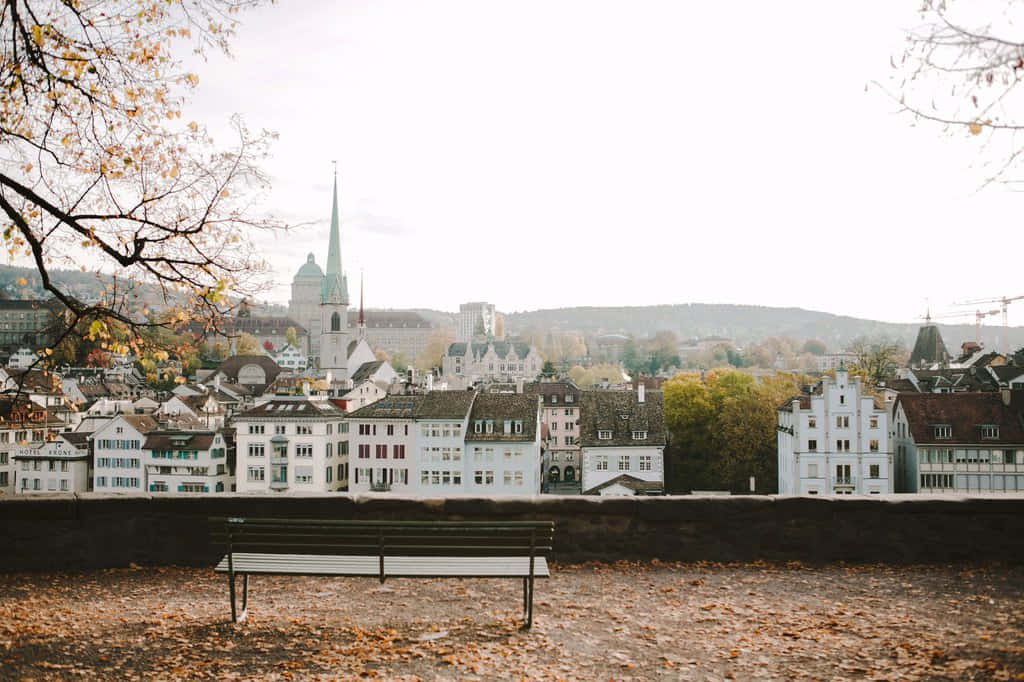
point(292, 445)
point(117, 452)
point(60, 465)
point(186, 462)
point(959, 442)
point(475, 319)
point(560, 426)
point(834, 442)
point(500, 361)
point(622, 442)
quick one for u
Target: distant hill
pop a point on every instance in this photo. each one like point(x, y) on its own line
point(743, 324)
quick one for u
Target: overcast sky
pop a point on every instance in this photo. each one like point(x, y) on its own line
point(587, 152)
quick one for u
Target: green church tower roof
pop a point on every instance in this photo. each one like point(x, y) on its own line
point(335, 288)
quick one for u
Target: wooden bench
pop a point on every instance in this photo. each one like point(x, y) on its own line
point(383, 549)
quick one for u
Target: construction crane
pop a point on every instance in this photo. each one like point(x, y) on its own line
point(979, 315)
point(1004, 302)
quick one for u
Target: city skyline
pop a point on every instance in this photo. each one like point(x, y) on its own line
point(621, 135)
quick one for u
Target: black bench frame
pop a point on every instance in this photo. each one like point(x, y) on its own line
point(382, 549)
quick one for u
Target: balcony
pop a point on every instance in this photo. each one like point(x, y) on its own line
point(380, 487)
point(279, 485)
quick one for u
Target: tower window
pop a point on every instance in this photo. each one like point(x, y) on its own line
point(335, 322)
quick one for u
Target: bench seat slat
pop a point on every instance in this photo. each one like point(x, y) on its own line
point(394, 567)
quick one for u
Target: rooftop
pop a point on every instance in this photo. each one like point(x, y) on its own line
point(631, 620)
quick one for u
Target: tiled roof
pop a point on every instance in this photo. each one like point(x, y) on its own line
point(1006, 373)
point(632, 482)
point(366, 371)
point(787, 405)
point(499, 407)
point(445, 405)
point(556, 388)
point(143, 423)
point(929, 347)
point(294, 409)
point(954, 379)
point(501, 348)
point(170, 440)
point(79, 439)
point(232, 365)
point(620, 413)
point(263, 326)
point(390, 407)
point(965, 413)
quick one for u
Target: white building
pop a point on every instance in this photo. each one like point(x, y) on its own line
point(503, 445)
point(959, 442)
point(117, 451)
point(292, 359)
point(834, 442)
point(292, 445)
point(475, 318)
point(502, 361)
point(830, 361)
point(186, 462)
point(622, 442)
point(56, 466)
point(23, 424)
point(23, 358)
point(442, 462)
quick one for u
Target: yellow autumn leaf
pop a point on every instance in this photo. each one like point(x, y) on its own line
point(174, 172)
point(193, 126)
point(975, 128)
point(22, 282)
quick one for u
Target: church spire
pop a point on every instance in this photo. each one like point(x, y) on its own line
point(335, 289)
point(362, 318)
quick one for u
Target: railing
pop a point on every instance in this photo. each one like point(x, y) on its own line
point(380, 487)
point(844, 480)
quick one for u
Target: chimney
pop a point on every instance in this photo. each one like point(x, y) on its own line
point(1006, 395)
point(216, 383)
point(640, 391)
point(430, 381)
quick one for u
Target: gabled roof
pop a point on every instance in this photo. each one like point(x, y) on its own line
point(965, 413)
point(143, 423)
point(445, 405)
point(633, 483)
point(291, 409)
point(179, 440)
point(553, 388)
point(622, 414)
point(389, 319)
point(502, 407)
point(501, 348)
point(366, 371)
point(232, 365)
point(390, 407)
point(1006, 373)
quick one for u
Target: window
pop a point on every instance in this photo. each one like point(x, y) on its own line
point(568, 397)
point(391, 429)
point(489, 426)
point(398, 452)
point(256, 450)
point(874, 470)
point(602, 463)
point(639, 435)
point(842, 399)
point(256, 428)
point(554, 426)
point(568, 411)
point(812, 445)
point(364, 451)
point(843, 474)
point(812, 470)
point(304, 450)
point(942, 431)
point(517, 426)
point(364, 430)
point(873, 445)
point(645, 462)
point(623, 462)
point(478, 426)
point(812, 422)
point(604, 435)
point(989, 432)
point(303, 474)
point(842, 422)
point(303, 430)
point(329, 473)
point(280, 429)
point(873, 421)
point(335, 322)
point(382, 451)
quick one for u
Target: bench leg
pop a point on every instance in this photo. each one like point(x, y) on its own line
point(235, 616)
point(527, 603)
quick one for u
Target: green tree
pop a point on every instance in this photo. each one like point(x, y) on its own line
point(548, 370)
point(814, 347)
point(291, 337)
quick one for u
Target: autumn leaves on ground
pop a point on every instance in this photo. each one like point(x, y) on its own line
point(621, 621)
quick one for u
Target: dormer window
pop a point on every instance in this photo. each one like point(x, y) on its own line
point(517, 425)
point(554, 399)
point(989, 432)
point(942, 431)
point(508, 426)
point(478, 426)
point(639, 435)
point(604, 435)
point(489, 426)
point(568, 397)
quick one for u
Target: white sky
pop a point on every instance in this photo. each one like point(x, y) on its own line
point(586, 152)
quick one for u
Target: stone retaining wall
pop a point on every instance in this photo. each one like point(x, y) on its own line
point(96, 531)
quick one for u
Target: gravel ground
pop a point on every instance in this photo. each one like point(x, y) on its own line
point(596, 621)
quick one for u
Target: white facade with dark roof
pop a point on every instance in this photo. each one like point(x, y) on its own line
point(622, 436)
point(187, 462)
point(57, 466)
point(118, 455)
point(834, 442)
point(502, 361)
point(292, 445)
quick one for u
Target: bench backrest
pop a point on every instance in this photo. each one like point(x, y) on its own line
point(384, 538)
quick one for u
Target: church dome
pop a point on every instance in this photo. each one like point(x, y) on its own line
point(310, 271)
